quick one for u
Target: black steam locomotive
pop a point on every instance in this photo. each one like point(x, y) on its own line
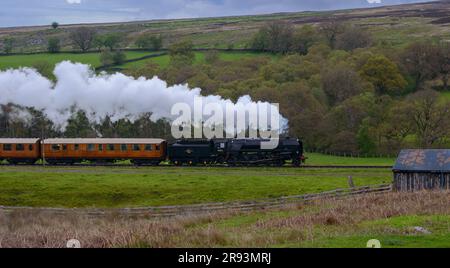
point(235, 152)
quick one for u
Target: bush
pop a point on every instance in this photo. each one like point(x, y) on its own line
point(211, 56)
point(106, 57)
point(8, 45)
point(182, 53)
point(119, 57)
point(146, 41)
point(54, 45)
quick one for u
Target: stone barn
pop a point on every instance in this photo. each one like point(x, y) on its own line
point(417, 170)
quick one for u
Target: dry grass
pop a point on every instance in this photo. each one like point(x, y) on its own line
point(292, 225)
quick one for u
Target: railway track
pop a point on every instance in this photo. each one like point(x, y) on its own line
point(212, 166)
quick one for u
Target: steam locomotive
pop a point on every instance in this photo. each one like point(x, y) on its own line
point(235, 152)
point(191, 152)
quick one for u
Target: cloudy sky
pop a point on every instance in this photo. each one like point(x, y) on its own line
point(41, 12)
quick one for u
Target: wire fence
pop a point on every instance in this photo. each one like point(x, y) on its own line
point(352, 155)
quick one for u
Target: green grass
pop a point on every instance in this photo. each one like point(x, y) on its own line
point(17, 61)
point(445, 96)
point(164, 61)
point(129, 187)
point(321, 159)
point(396, 232)
point(93, 59)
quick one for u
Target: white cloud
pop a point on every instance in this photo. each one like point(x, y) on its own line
point(374, 1)
point(71, 2)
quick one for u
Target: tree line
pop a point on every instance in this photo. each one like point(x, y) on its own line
point(86, 39)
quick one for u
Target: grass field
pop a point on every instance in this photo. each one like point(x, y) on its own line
point(445, 96)
point(131, 187)
point(93, 59)
point(16, 61)
point(164, 61)
point(345, 223)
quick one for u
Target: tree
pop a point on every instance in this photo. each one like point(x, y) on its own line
point(106, 57)
point(53, 45)
point(8, 45)
point(396, 125)
point(384, 75)
point(443, 63)
point(83, 38)
point(366, 144)
point(99, 42)
point(182, 53)
point(143, 41)
point(106, 128)
point(112, 41)
point(55, 25)
point(157, 42)
point(276, 37)
point(352, 38)
point(211, 56)
point(304, 39)
point(147, 41)
point(78, 126)
point(331, 30)
point(149, 70)
point(340, 83)
point(119, 57)
point(430, 118)
point(420, 60)
point(260, 41)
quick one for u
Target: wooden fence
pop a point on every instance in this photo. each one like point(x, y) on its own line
point(171, 211)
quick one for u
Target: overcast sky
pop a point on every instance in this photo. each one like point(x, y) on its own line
point(41, 12)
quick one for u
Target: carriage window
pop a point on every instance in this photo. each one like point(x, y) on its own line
point(149, 147)
point(111, 147)
point(124, 147)
point(64, 147)
point(30, 147)
point(91, 147)
point(7, 147)
point(100, 147)
point(20, 147)
point(56, 147)
point(158, 147)
point(136, 147)
point(76, 147)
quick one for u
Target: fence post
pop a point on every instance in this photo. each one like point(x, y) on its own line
point(350, 182)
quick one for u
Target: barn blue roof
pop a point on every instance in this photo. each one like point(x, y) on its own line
point(423, 160)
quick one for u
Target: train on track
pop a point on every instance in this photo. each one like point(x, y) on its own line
point(187, 152)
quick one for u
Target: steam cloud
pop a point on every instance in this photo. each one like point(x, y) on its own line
point(116, 95)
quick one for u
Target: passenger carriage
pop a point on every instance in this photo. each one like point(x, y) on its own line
point(20, 151)
point(70, 151)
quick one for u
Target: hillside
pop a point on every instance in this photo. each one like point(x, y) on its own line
point(393, 25)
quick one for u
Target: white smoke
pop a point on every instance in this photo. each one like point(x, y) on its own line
point(116, 95)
